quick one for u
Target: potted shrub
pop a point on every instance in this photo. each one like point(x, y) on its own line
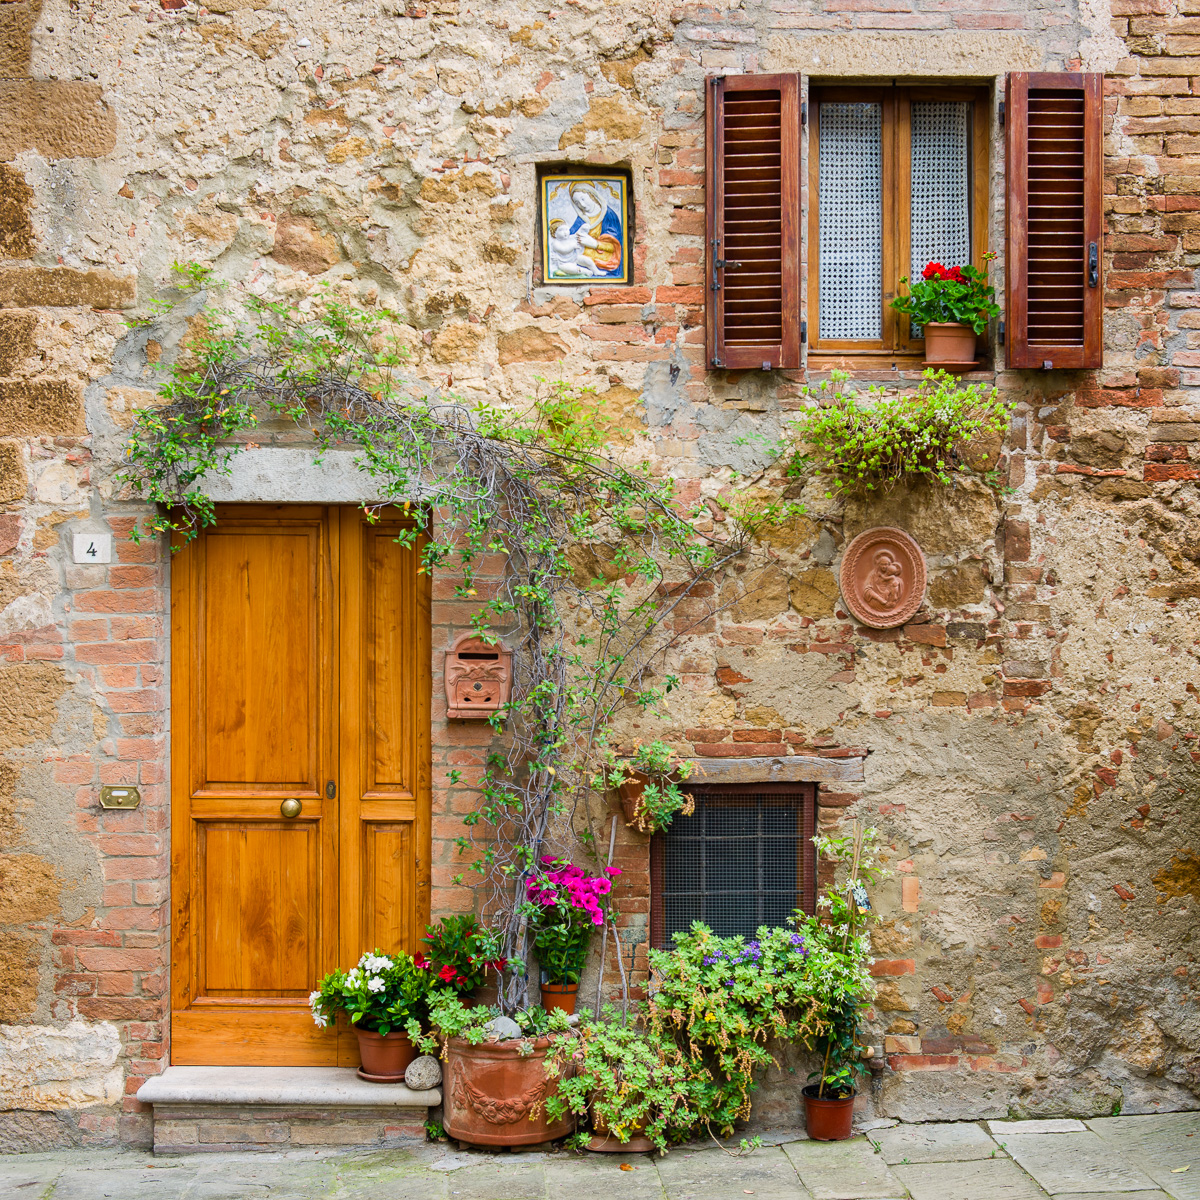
point(497, 1087)
point(386, 998)
point(564, 904)
point(829, 1101)
point(636, 1085)
point(460, 953)
point(952, 305)
point(648, 786)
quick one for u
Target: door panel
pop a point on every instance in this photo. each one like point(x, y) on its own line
point(300, 662)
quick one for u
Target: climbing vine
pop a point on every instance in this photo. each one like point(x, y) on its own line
point(602, 570)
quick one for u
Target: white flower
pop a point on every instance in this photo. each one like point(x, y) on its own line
point(373, 964)
point(353, 978)
point(375, 984)
point(319, 1018)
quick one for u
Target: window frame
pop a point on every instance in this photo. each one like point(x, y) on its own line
point(895, 344)
point(806, 794)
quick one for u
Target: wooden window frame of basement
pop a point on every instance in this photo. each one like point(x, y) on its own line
point(895, 350)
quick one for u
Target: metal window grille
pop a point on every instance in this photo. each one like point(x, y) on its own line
point(744, 858)
point(941, 183)
point(850, 217)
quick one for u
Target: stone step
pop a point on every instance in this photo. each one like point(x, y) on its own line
point(200, 1109)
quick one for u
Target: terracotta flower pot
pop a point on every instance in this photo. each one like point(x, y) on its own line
point(494, 1096)
point(384, 1057)
point(559, 996)
point(827, 1120)
point(630, 793)
point(604, 1141)
point(949, 342)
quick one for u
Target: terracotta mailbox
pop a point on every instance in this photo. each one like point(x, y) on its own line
point(478, 678)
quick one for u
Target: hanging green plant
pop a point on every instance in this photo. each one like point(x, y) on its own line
point(866, 443)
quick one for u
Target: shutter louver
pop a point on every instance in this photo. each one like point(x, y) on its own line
point(752, 218)
point(1055, 302)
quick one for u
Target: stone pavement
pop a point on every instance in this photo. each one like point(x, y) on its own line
point(1153, 1157)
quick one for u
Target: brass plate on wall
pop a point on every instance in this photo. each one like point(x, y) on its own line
point(119, 796)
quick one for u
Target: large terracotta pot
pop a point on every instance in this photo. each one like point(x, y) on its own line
point(495, 1097)
point(827, 1120)
point(384, 1058)
point(559, 996)
point(947, 342)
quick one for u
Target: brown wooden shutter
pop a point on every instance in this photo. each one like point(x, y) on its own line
point(1055, 306)
point(753, 222)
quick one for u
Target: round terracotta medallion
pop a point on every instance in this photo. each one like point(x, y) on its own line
point(883, 577)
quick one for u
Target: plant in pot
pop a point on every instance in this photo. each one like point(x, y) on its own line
point(386, 998)
point(830, 1094)
point(497, 1084)
point(951, 306)
point(564, 904)
point(634, 1083)
point(648, 786)
point(459, 955)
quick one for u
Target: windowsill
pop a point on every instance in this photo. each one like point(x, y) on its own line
point(882, 368)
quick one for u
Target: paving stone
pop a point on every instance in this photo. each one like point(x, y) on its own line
point(949, 1141)
point(1049, 1125)
point(1113, 1196)
point(1159, 1143)
point(132, 1183)
point(703, 1175)
point(497, 1180)
point(1064, 1163)
point(849, 1170)
point(983, 1179)
point(600, 1176)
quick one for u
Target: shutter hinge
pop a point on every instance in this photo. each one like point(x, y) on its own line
point(803, 332)
point(1001, 114)
point(1093, 265)
point(1001, 333)
point(716, 362)
point(803, 112)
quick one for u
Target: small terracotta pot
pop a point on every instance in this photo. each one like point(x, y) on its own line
point(630, 793)
point(604, 1141)
point(827, 1120)
point(384, 1057)
point(495, 1096)
point(559, 996)
point(949, 342)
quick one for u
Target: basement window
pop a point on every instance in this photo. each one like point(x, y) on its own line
point(744, 858)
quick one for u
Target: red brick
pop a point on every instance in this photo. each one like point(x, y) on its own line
point(738, 749)
point(619, 295)
point(1162, 473)
point(757, 735)
point(893, 966)
point(706, 735)
point(684, 220)
point(1026, 687)
point(119, 959)
point(1048, 941)
point(922, 1062)
point(928, 635)
point(679, 295)
point(149, 600)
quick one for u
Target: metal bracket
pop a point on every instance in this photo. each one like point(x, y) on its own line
point(803, 331)
point(1001, 114)
point(803, 112)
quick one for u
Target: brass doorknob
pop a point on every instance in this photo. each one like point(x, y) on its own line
point(291, 808)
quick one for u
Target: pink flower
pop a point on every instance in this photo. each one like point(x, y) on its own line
point(612, 872)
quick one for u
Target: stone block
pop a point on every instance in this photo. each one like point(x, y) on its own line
point(16, 224)
point(16, 28)
point(60, 287)
point(14, 482)
point(57, 118)
point(301, 245)
point(17, 326)
point(36, 406)
point(529, 344)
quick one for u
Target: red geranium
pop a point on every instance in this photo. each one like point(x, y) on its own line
point(934, 271)
point(960, 294)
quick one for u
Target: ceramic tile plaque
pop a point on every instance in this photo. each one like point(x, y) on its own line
point(585, 228)
point(883, 577)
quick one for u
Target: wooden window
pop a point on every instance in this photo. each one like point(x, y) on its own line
point(1054, 306)
point(897, 180)
point(753, 222)
point(744, 858)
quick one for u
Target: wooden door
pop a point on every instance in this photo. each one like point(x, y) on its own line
point(300, 673)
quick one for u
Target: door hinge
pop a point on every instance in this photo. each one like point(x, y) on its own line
point(1001, 114)
point(803, 331)
point(1001, 333)
point(331, 790)
point(803, 112)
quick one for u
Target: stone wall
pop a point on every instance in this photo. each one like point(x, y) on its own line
point(1030, 737)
